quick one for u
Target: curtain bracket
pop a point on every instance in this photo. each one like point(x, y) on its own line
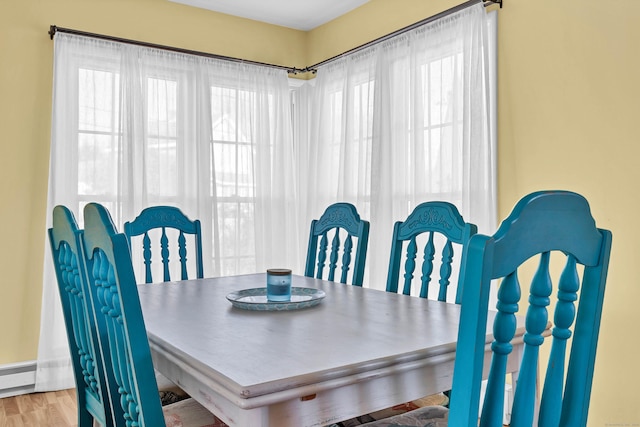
point(490, 2)
point(295, 70)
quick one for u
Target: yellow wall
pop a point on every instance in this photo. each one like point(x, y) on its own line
point(568, 104)
point(26, 55)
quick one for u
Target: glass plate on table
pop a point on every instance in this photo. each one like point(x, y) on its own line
point(256, 299)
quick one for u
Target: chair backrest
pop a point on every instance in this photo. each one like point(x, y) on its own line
point(434, 227)
point(542, 225)
point(339, 221)
point(91, 388)
point(163, 218)
point(115, 301)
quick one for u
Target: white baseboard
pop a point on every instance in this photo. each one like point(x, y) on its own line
point(17, 378)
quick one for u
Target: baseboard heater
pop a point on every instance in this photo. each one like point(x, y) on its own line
point(17, 378)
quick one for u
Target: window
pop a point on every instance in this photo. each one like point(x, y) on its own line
point(97, 137)
point(136, 127)
point(232, 179)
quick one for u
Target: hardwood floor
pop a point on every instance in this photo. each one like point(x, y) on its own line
point(52, 409)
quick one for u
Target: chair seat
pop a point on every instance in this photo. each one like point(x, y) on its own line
point(438, 399)
point(427, 416)
point(167, 386)
point(189, 413)
point(432, 400)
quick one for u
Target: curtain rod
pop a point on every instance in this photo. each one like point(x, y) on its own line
point(486, 3)
point(53, 29)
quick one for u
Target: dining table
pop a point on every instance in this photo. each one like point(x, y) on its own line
point(348, 351)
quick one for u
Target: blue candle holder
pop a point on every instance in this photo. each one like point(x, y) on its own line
point(278, 284)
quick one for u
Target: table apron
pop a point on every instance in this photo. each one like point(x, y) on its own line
point(322, 403)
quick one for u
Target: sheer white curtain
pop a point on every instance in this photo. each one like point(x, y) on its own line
point(404, 122)
point(134, 127)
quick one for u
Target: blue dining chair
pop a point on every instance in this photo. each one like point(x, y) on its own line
point(339, 223)
point(432, 227)
point(542, 226)
point(163, 219)
point(115, 301)
point(542, 223)
point(91, 389)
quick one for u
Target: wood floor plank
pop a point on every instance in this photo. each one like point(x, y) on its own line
point(3, 415)
point(52, 409)
point(14, 421)
point(36, 418)
point(11, 407)
point(38, 401)
point(55, 416)
point(67, 406)
point(24, 403)
point(50, 397)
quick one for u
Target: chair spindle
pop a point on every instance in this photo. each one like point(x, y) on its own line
point(346, 258)
point(409, 266)
point(322, 255)
point(504, 329)
point(536, 322)
point(146, 253)
point(164, 251)
point(564, 315)
point(427, 266)
point(333, 258)
point(445, 270)
point(182, 253)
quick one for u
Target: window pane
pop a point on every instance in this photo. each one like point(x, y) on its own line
point(233, 114)
point(97, 164)
point(98, 103)
point(161, 151)
point(246, 230)
point(223, 114)
point(247, 103)
point(224, 159)
point(162, 169)
point(245, 171)
point(161, 107)
point(228, 214)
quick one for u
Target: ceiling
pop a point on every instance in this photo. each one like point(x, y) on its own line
point(297, 14)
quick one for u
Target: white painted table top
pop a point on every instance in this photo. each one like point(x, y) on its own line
point(253, 359)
